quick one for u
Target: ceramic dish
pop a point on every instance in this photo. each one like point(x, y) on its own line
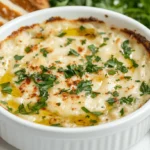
point(119, 134)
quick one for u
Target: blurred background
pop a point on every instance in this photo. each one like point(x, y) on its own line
point(137, 9)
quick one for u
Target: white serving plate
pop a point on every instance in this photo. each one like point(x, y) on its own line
point(144, 144)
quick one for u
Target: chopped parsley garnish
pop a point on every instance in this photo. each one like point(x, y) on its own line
point(92, 68)
point(69, 41)
point(21, 75)
point(1, 58)
point(85, 109)
point(16, 65)
point(96, 113)
point(94, 94)
point(44, 52)
point(61, 34)
point(144, 88)
point(112, 72)
point(3, 102)
point(28, 49)
point(114, 63)
point(93, 49)
point(127, 50)
point(115, 94)
point(46, 69)
point(73, 52)
point(128, 77)
point(84, 85)
point(73, 70)
point(97, 58)
point(56, 125)
point(82, 28)
point(111, 101)
point(83, 41)
point(103, 44)
point(127, 100)
point(106, 39)
point(118, 87)
point(22, 109)
point(135, 65)
point(101, 33)
point(17, 57)
point(122, 112)
point(6, 88)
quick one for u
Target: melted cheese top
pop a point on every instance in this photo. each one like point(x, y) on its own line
point(69, 73)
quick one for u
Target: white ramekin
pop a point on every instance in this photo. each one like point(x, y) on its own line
point(117, 135)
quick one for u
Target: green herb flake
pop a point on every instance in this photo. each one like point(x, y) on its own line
point(93, 49)
point(114, 63)
point(97, 113)
point(94, 94)
point(4, 102)
point(106, 39)
point(6, 88)
point(103, 44)
point(16, 65)
point(28, 49)
point(69, 41)
point(73, 52)
point(112, 72)
point(44, 52)
point(1, 58)
point(122, 112)
point(117, 87)
point(97, 58)
point(85, 110)
point(56, 125)
point(127, 100)
point(82, 28)
point(111, 101)
point(61, 34)
point(9, 109)
point(17, 57)
point(115, 94)
point(101, 33)
point(83, 41)
point(144, 88)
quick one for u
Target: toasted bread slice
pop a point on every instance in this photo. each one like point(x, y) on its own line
point(9, 11)
point(40, 4)
point(25, 4)
point(2, 21)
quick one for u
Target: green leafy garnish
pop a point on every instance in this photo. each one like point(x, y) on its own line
point(17, 57)
point(21, 75)
point(69, 41)
point(84, 85)
point(83, 41)
point(122, 112)
point(44, 52)
point(73, 70)
point(1, 58)
point(127, 100)
point(61, 34)
point(73, 52)
point(114, 63)
point(82, 28)
point(144, 88)
point(93, 49)
point(111, 101)
point(56, 125)
point(96, 113)
point(28, 49)
point(6, 88)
